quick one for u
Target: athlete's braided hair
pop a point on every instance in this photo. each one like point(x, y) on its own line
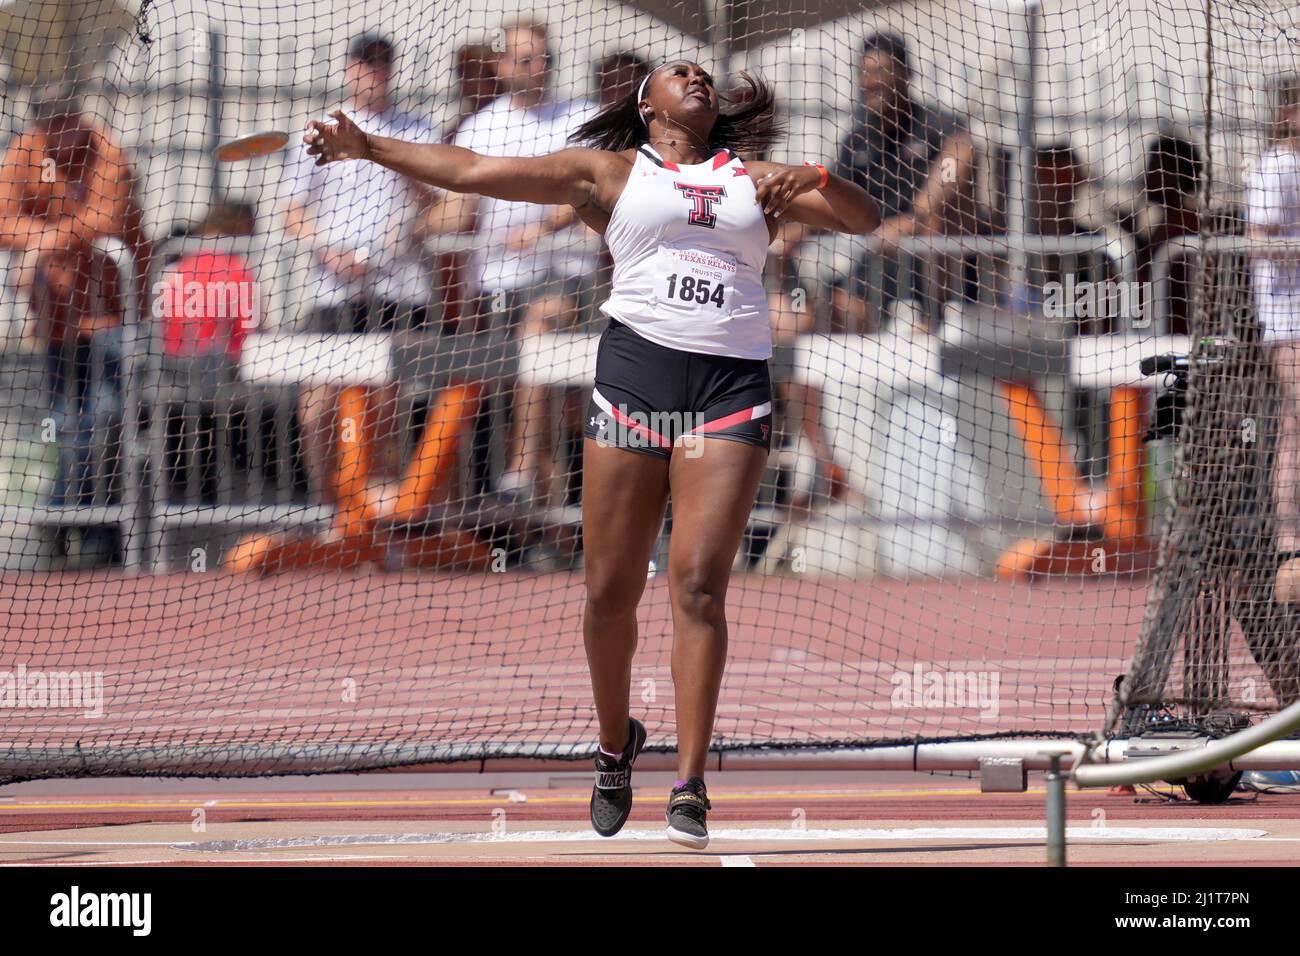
point(749, 129)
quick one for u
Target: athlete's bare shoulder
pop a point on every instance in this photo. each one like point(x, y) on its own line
point(618, 162)
point(608, 171)
point(612, 170)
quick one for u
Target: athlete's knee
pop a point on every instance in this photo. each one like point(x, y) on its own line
point(611, 596)
point(699, 593)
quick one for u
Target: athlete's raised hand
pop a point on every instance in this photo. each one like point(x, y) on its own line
point(798, 194)
point(779, 186)
point(331, 142)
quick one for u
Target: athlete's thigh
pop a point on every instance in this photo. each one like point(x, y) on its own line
point(624, 494)
point(713, 485)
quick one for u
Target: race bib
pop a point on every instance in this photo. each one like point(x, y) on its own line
point(695, 281)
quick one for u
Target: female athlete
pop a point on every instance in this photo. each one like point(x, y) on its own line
point(682, 403)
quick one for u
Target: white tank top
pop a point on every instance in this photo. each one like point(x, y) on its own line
point(689, 244)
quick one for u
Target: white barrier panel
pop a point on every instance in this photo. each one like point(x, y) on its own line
point(1109, 361)
point(317, 359)
point(896, 362)
point(558, 359)
point(889, 362)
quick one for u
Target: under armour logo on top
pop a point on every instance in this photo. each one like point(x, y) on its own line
point(703, 198)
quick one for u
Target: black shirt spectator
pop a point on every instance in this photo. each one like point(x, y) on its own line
point(1167, 210)
point(916, 162)
point(893, 161)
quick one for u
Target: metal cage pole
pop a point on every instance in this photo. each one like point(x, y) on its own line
point(1020, 199)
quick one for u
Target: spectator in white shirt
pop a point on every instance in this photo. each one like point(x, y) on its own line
point(477, 86)
point(506, 269)
point(537, 409)
point(516, 286)
point(365, 228)
point(1273, 210)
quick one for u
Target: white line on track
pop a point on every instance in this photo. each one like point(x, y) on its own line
point(736, 861)
point(754, 834)
point(87, 843)
point(235, 860)
point(1082, 834)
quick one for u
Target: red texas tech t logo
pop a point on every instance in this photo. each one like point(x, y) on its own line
point(702, 198)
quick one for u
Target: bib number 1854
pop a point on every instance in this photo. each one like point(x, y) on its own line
point(691, 289)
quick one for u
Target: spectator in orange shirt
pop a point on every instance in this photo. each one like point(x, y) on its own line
point(64, 184)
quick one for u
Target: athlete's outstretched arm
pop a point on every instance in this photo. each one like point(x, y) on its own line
point(791, 192)
point(567, 177)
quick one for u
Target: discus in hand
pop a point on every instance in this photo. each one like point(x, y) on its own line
point(330, 142)
point(251, 146)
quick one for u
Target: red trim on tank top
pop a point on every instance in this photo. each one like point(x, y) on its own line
point(720, 158)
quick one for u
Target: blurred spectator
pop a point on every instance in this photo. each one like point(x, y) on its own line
point(539, 407)
point(1062, 284)
point(210, 297)
point(477, 83)
point(208, 301)
point(917, 163)
point(617, 75)
point(1167, 209)
point(532, 457)
point(1273, 210)
point(524, 121)
point(476, 78)
point(800, 406)
point(64, 183)
point(1059, 174)
point(515, 285)
point(365, 226)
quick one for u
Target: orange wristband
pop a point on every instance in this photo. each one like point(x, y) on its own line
point(821, 169)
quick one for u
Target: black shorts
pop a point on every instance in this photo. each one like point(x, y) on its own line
point(648, 396)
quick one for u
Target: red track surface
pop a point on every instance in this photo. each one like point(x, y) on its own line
point(212, 659)
point(332, 822)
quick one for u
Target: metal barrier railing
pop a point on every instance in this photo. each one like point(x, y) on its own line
point(1117, 251)
point(254, 485)
point(1187, 247)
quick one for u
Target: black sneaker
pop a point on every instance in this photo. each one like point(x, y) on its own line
point(688, 806)
point(611, 797)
